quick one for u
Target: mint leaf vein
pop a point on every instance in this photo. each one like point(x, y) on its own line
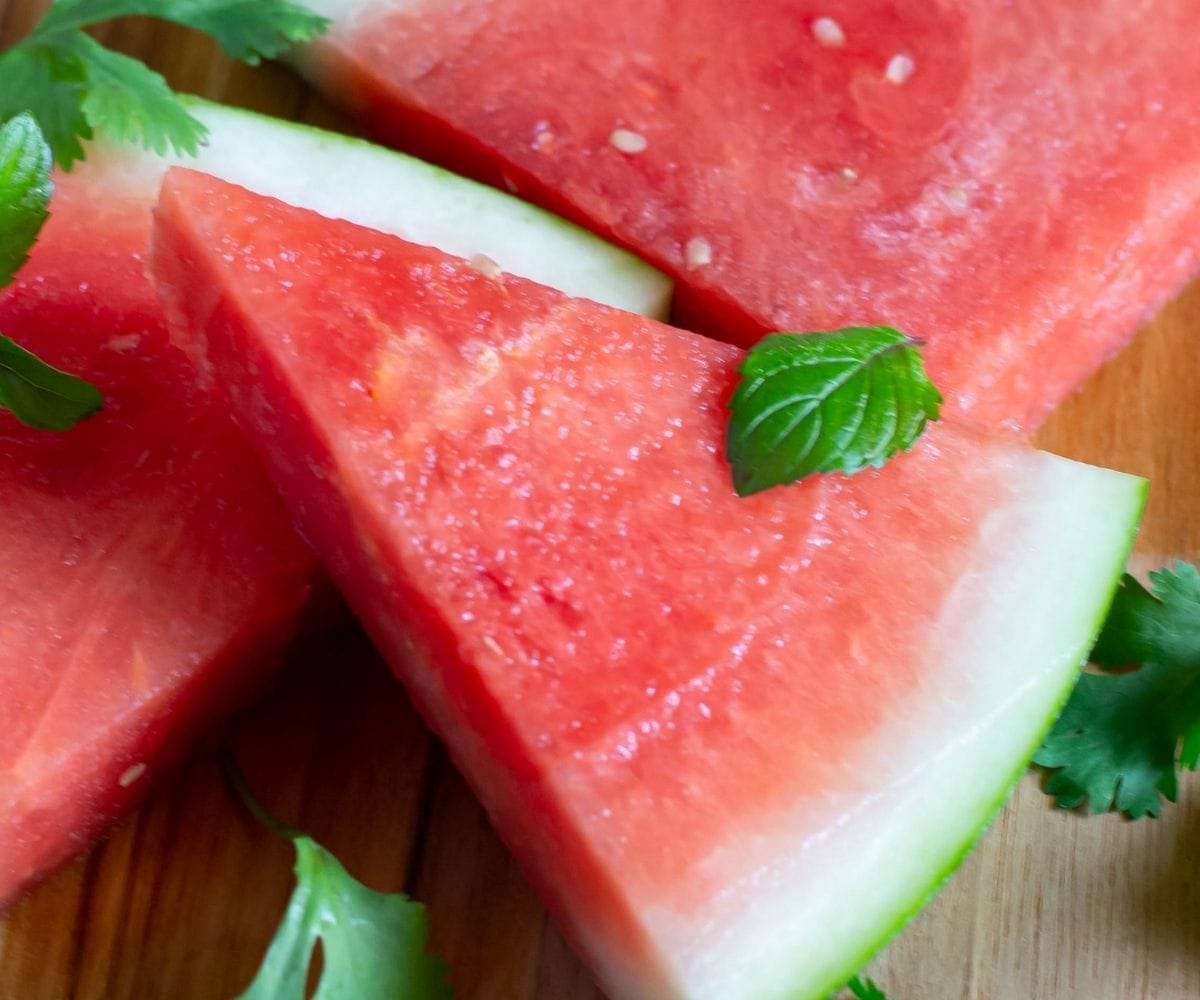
point(826, 402)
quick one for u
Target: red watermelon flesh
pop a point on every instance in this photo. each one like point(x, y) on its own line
point(734, 742)
point(147, 569)
point(1023, 195)
point(148, 572)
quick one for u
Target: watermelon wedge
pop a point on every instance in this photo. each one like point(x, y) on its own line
point(1018, 183)
point(147, 570)
point(735, 743)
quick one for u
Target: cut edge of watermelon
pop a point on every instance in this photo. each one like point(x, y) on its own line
point(357, 180)
point(352, 184)
point(1107, 522)
point(1064, 531)
point(123, 764)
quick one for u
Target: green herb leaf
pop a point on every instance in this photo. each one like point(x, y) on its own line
point(31, 390)
point(1163, 626)
point(41, 396)
point(128, 102)
point(75, 87)
point(1119, 739)
point(248, 30)
point(48, 83)
point(826, 402)
point(25, 190)
point(866, 989)
point(373, 943)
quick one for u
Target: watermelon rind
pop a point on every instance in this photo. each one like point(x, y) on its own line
point(789, 893)
point(1093, 530)
point(348, 178)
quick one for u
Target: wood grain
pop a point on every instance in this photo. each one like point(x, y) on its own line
point(180, 902)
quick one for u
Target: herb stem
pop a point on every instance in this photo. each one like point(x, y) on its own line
point(237, 781)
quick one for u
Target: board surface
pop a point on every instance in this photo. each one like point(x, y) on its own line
point(181, 901)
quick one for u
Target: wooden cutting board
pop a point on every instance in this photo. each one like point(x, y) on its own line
point(180, 902)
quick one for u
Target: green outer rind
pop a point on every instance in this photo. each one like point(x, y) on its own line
point(993, 810)
point(626, 267)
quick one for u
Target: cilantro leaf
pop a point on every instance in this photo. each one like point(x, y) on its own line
point(248, 30)
point(826, 402)
point(31, 390)
point(25, 190)
point(1114, 744)
point(48, 83)
point(373, 943)
point(866, 989)
point(128, 102)
point(76, 87)
point(1119, 739)
point(1163, 626)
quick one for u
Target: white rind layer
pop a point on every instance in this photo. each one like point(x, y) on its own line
point(818, 895)
point(350, 179)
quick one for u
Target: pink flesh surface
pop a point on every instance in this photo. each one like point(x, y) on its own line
point(523, 497)
point(149, 575)
point(1025, 199)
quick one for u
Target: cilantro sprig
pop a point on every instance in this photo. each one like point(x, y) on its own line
point(75, 87)
point(1122, 736)
point(373, 943)
point(826, 402)
point(33, 391)
point(865, 989)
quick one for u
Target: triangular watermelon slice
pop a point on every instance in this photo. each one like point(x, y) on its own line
point(147, 571)
point(734, 742)
point(1018, 183)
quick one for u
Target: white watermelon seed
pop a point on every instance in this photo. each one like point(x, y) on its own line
point(828, 33)
point(627, 141)
point(131, 774)
point(899, 68)
point(698, 252)
point(484, 264)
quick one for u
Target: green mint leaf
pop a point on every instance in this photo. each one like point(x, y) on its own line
point(129, 102)
point(1121, 736)
point(373, 943)
point(25, 190)
point(49, 84)
point(866, 989)
point(249, 30)
point(41, 396)
point(826, 402)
